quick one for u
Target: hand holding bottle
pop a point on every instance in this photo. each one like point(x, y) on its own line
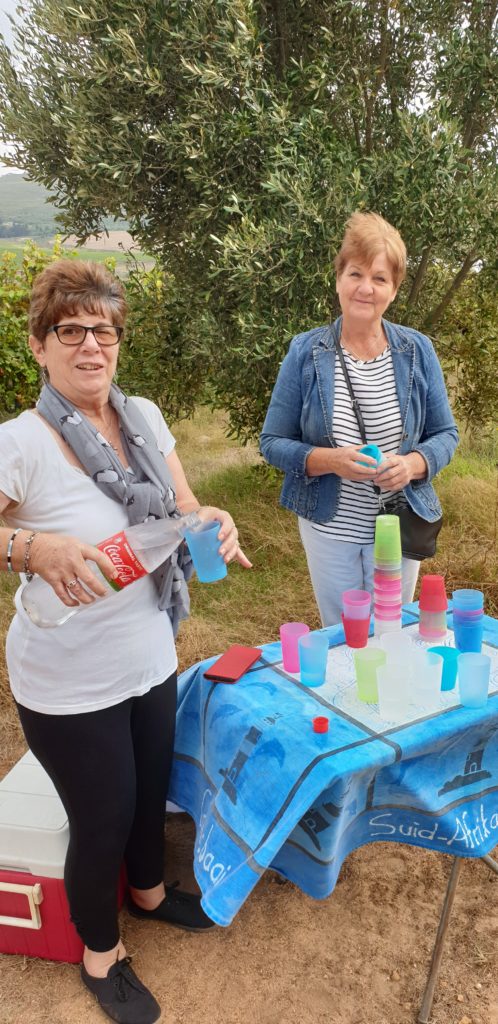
point(123, 558)
point(61, 559)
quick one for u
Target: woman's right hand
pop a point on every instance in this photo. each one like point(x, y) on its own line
point(60, 559)
point(347, 463)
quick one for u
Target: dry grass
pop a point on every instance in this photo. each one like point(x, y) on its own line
point(204, 448)
point(468, 549)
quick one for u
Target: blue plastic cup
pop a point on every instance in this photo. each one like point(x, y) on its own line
point(450, 664)
point(204, 547)
point(468, 636)
point(473, 679)
point(467, 618)
point(313, 653)
point(468, 600)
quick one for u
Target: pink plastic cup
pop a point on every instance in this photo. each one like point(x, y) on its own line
point(382, 583)
point(356, 604)
point(384, 612)
point(387, 596)
point(289, 636)
point(356, 631)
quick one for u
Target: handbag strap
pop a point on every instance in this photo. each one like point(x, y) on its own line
point(355, 405)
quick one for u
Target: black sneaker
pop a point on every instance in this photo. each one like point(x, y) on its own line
point(122, 996)
point(181, 909)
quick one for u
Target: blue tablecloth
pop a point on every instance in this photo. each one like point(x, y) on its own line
point(265, 790)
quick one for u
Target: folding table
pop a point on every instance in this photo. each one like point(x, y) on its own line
point(266, 791)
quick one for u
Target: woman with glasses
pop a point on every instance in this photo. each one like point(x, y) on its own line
point(97, 696)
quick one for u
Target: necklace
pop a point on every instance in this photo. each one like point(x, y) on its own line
point(109, 429)
point(374, 348)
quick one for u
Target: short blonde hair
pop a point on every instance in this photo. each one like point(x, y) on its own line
point(67, 286)
point(366, 236)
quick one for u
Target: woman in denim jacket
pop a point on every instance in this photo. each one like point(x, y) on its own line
point(311, 433)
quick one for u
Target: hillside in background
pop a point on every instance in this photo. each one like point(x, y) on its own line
point(26, 212)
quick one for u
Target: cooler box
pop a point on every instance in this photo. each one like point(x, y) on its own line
point(34, 833)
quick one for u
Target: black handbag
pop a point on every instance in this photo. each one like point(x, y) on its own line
point(418, 536)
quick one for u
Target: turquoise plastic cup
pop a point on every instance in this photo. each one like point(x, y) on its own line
point(204, 545)
point(473, 679)
point(313, 654)
point(374, 452)
point(450, 665)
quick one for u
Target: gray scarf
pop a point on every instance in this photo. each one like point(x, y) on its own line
point(146, 493)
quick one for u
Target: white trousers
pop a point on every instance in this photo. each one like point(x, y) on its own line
point(335, 566)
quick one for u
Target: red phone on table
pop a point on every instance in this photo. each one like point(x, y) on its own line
point(233, 663)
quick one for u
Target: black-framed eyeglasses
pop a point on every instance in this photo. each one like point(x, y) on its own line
point(75, 334)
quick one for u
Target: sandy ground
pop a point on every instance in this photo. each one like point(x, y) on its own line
point(358, 957)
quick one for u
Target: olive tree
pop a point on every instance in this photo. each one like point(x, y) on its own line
point(236, 137)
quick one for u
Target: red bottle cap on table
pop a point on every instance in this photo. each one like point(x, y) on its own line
point(432, 594)
point(320, 724)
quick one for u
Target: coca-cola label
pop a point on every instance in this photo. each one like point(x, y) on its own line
point(124, 559)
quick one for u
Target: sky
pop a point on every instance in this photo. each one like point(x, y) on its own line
point(6, 7)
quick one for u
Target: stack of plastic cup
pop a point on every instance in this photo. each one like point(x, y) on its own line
point(468, 620)
point(356, 617)
point(387, 575)
point(432, 607)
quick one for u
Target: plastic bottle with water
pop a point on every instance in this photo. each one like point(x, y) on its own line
point(134, 551)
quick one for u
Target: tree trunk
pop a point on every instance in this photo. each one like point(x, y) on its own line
point(419, 277)
point(279, 26)
point(435, 315)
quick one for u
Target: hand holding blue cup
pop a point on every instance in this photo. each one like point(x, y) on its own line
point(204, 546)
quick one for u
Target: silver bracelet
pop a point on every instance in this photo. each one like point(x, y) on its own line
point(27, 551)
point(10, 545)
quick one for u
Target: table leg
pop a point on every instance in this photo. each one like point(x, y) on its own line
point(426, 1007)
point(492, 865)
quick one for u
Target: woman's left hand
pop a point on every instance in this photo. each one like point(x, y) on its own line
point(395, 472)
point(228, 536)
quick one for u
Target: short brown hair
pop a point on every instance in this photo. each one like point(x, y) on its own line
point(67, 286)
point(366, 236)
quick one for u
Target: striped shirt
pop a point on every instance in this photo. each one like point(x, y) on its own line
point(374, 386)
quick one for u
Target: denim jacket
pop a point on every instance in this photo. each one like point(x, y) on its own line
point(300, 417)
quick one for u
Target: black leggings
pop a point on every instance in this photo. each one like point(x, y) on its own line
point(111, 770)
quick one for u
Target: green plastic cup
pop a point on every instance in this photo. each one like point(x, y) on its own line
point(387, 539)
point(366, 663)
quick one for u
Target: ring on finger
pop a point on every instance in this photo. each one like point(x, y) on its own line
point(71, 584)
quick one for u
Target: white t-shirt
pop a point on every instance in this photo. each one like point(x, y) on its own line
point(117, 648)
